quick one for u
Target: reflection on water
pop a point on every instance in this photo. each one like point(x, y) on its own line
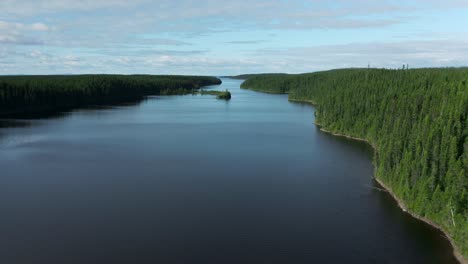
point(191, 179)
point(65, 113)
point(13, 123)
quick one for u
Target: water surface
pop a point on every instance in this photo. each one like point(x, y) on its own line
point(192, 179)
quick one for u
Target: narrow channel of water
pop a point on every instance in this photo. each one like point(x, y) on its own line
point(192, 179)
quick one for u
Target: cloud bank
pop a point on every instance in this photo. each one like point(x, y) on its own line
point(228, 37)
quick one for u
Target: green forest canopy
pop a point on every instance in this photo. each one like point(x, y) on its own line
point(248, 76)
point(51, 93)
point(416, 119)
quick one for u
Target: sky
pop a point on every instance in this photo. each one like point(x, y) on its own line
point(220, 37)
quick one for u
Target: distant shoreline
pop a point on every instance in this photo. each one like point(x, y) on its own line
point(35, 95)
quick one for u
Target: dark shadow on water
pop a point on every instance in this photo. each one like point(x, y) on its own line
point(357, 145)
point(426, 235)
point(4, 123)
point(26, 120)
point(62, 113)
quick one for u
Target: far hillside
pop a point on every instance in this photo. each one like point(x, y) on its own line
point(24, 95)
point(248, 76)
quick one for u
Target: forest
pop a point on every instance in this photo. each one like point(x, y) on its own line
point(248, 76)
point(417, 121)
point(23, 95)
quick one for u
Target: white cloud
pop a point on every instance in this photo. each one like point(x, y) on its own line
point(36, 7)
point(16, 39)
point(180, 36)
point(210, 15)
point(433, 53)
point(9, 26)
point(39, 27)
point(21, 33)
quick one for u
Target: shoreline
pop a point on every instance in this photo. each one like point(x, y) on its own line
point(455, 250)
point(401, 204)
point(260, 91)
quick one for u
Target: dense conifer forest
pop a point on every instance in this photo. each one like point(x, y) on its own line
point(417, 121)
point(44, 94)
point(248, 76)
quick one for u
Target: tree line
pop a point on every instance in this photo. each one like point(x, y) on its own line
point(248, 76)
point(416, 119)
point(51, 93)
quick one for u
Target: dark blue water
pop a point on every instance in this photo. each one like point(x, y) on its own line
point(192, 179)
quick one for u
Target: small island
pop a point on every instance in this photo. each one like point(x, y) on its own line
point(225, 95)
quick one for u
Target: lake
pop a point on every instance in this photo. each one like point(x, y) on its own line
point(192, 179)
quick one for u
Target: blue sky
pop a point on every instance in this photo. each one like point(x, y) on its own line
point(218, 37)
